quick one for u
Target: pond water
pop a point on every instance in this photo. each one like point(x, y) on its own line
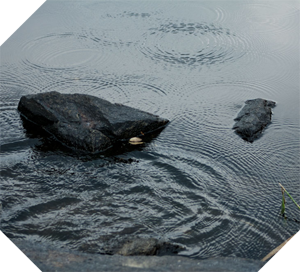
point(197, 184)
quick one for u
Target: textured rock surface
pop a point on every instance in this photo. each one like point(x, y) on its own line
point(49, 258)
point(86, 122)
point(253, 118)
point(149, 246)
point(127, 245)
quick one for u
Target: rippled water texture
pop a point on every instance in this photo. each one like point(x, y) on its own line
point(198, 183)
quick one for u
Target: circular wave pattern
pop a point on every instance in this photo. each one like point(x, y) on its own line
point(193, 43)
point(266, 26)
point(197, 184)
point(62, 51)
point(210, 106)
point(183, 192)
point(277, 18)
point(193, 11)
point(129, 90)
point(135, 93)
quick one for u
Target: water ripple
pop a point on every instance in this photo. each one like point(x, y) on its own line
point(188, 43)
point(207, 107)
point(197, 183)
point(130, 90)
point(62, 51)
point(215, 216)
point(279, 17)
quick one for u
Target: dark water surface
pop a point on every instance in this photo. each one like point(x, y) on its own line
point(198, 183)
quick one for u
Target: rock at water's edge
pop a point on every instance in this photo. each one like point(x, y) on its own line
point(253, 118)
point(129, 245)
point(48, 258)
point(145, 246)
point(86, 122)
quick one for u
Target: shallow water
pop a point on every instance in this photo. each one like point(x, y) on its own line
point(198, 183)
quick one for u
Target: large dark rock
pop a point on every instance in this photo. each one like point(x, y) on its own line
point(86, 122)
point(253, 118)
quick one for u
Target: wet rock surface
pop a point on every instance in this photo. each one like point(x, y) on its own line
point(253, 118)
point(49, 258)
point(85, 122)
point(127, 245)
point(148, 246)
point(131, 245)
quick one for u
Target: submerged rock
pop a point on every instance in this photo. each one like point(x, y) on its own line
point(147, 246)
point(128, 245)
point(50, 258)
point(253, 118)
point(86, 122)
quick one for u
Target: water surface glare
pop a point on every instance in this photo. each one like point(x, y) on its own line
point(197, 184)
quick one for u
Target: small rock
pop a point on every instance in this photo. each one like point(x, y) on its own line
point(135, 141)
point(139, 247)
point(253, 118)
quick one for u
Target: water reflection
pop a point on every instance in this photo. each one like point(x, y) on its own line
point(197, 183)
